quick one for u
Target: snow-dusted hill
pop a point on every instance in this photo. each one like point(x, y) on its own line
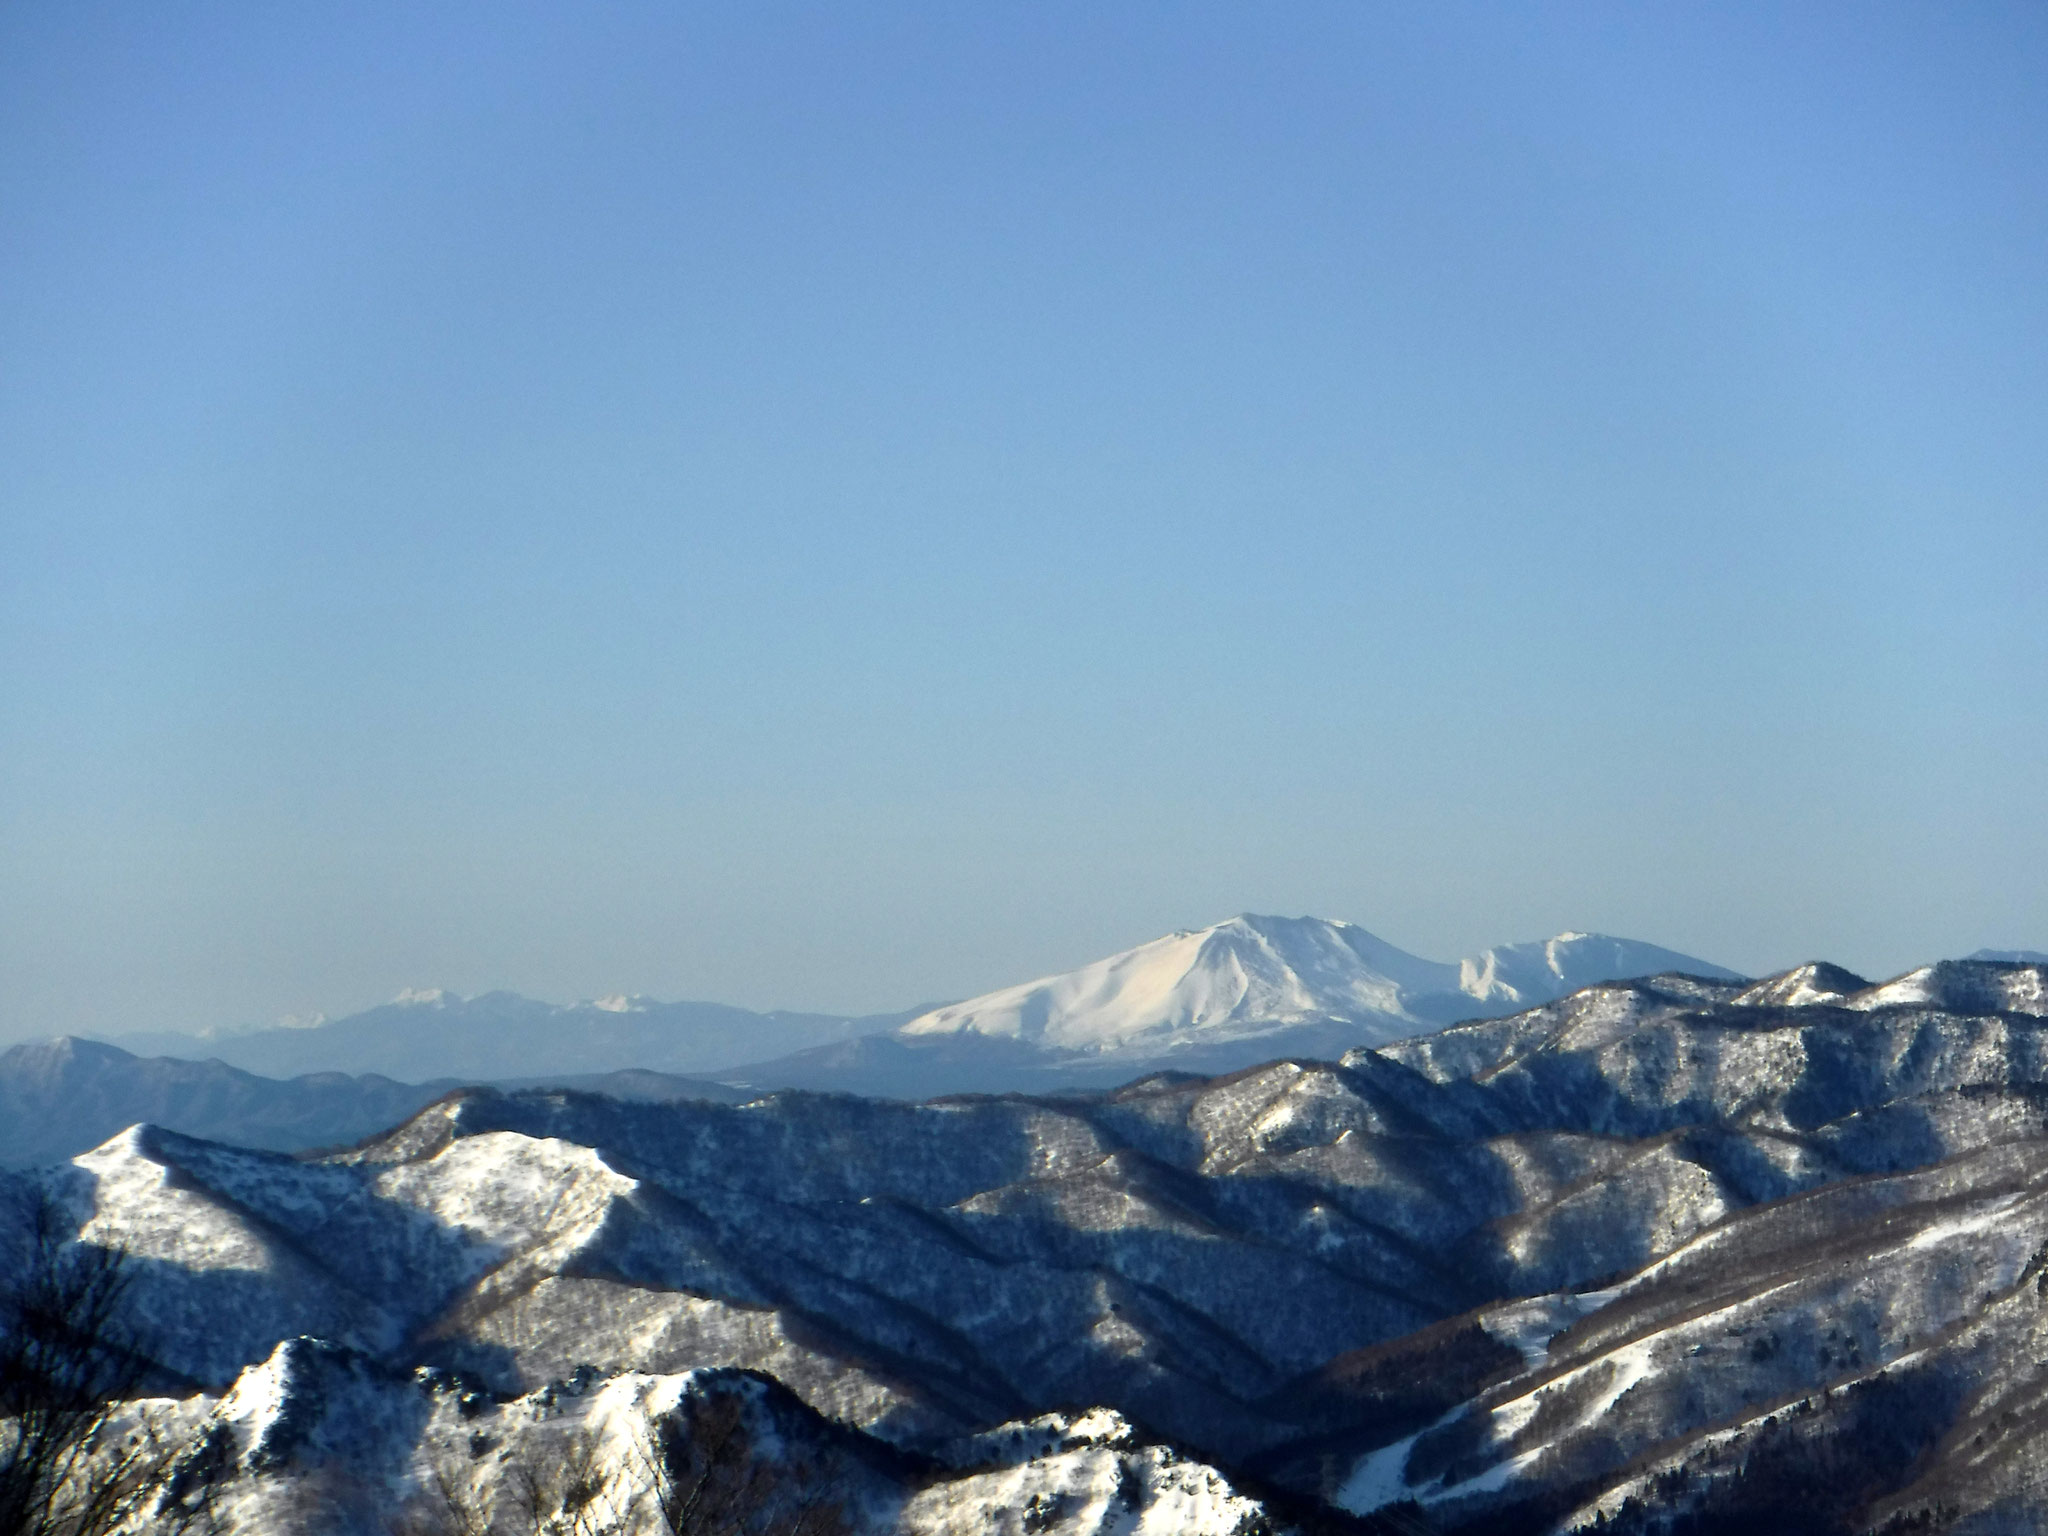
point(1667, 1245)
point(322, 1438)
point(1221, 997)
point(1210, 1000)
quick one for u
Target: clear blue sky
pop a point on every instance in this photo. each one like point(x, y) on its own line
point(839, 506)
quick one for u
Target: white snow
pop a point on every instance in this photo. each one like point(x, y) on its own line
point(1528, 1326)
point(1249, 973)
point(305, 1410)
point(535, 1196)
point(1912, 988)
point(1252, 975)
point(2019, 990)
point(1379, 1478)
point(1979, 1217)
point(1537, 972)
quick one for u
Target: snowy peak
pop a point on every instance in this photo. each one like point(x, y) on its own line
point(1804, 986)
point(1243, 975)
point(1964, 986)
point(1955, 986)
point(1253, 976)
point(1522, 975)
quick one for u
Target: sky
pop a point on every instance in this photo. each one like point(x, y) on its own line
point(843, 506)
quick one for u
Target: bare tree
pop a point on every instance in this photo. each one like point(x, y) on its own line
point(69, 1361)
point(710, 1478)
point(563, 1487)
point(700, 1467)
point(451, 1504)
point(555, 1485)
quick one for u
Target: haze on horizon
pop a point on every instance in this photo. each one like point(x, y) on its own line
point(838, 507)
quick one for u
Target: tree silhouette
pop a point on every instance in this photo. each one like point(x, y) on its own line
point(69, 1360)
point(711, 1479)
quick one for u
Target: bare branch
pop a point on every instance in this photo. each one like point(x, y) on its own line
point(69, 1359)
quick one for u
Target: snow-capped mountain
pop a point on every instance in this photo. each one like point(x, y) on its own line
point(1676, 1247)
point(1209, 1000)
point(1252, 976)
point(1249, 975)
point(1234, 993)
point(1514, 976)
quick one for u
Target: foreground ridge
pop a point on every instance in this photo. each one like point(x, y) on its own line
point(291, 1440)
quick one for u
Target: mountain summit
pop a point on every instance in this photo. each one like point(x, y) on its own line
point(1215, 999)
point(1252, 977)
point(1238, 977)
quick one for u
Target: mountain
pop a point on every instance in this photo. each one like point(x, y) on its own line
point(1247, 976)
point(1252, 976)
point(501, 1035)
point(61, 1097)
point(1728, 1254)
point(1209, 1000)
point(308, 1440)
point(1214, 1000)
point(1204, 1001)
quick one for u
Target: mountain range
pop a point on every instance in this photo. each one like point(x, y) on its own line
point(1205, 1000)
point(1215, 999)
point(433, 1033)
point(1208, 1000)
point(59, 1097)
point(1663, 1253)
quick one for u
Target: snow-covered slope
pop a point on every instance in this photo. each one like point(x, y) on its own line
point(1693, 1244)
point(1253, 976)
point(1248, 975)
point(1513, 976)
point(1209, 1000)
point(319, 1437)
point(1220, 997)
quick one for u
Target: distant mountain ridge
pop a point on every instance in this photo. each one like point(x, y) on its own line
point(1208, 1000)
point(1251, 975)
point(1204, 1000)
point(1249, 989)
point(59, 1097)
point(427, 1034)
